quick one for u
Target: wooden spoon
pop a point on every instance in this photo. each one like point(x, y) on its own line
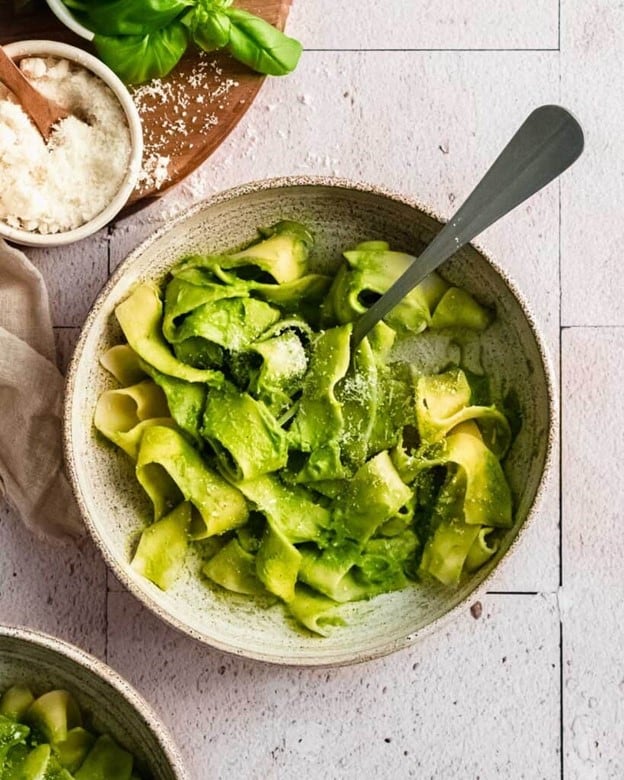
point(44, 113)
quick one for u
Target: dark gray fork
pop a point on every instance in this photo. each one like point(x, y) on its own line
point(547, 143)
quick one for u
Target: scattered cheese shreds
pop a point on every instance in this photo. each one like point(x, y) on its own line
point(178, 119)
point(155, 171)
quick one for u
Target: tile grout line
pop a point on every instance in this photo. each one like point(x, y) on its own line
point(109, 235)
point(614, 326)
point(561, 536)
point(560, 392)
point(106, 605)
point(561, 756)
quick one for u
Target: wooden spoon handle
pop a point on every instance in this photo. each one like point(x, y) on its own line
point(43, 112)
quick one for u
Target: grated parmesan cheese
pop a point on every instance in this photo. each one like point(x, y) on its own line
point(166, 107)
point(59, 186)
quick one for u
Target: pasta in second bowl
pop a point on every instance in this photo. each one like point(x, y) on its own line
point(340, 215)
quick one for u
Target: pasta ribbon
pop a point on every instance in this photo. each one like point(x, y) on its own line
point(183, 296)
point(329, 571)
point(124, 364)
point(395, 407)
point(307, 291)
point(481, 550)
point(358, 393)
point(374, 495)
point(314, 611)
point(458, 309)
point(162, 547)
point(170, 470)
point(446, 552)
point(487, 498)
point(443, 402)
point(319, 422)
point(45, 739)
point(277, 563)
point(106, 759)
point(473, 502)
point(140, 317)
point(371, 269)
point(235, 569)
point(123, 415)
point(54, 714)
point(230, 323)
point(245, 436)
point(186, 401)
point(290, 508)
point(280, 376)
point(282, 255)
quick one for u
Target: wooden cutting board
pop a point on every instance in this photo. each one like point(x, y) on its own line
point(185, 115)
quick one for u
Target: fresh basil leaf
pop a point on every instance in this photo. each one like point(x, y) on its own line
point(213, 5)
point(139, 58)
point(132, 17)
point(76, 5)
point(256, 43)
point(209, 29)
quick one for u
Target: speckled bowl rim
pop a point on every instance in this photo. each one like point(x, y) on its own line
point(45, 48)
point(112, 678)
point(323, 660)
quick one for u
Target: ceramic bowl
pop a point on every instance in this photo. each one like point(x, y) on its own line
point(42, 663)
point(340, 215)
point(62, 50)
point(63, 14)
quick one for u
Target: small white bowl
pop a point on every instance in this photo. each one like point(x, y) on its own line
point(73, 54)
point(63, 14)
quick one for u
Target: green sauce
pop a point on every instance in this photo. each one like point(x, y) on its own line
point(45, 738)
point(320, 475)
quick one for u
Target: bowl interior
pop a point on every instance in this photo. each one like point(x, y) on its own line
point(112, 501)
point(43, 663)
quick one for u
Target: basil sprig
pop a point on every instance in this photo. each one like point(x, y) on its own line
point(139, 58)
point(121, 17)
point(145, 39)
point(259, 45)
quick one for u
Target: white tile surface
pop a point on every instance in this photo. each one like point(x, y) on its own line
point(426, 24)
point(453, 706)
point(74, 275)
point(593, 605)
point(592, 230)
point(482, 699)
point(56, 588)
point(66, 338)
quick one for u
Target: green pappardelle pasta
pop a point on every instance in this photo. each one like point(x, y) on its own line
point(45, 738)
point(312, 475)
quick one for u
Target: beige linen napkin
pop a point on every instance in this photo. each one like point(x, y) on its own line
point(31, 401)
